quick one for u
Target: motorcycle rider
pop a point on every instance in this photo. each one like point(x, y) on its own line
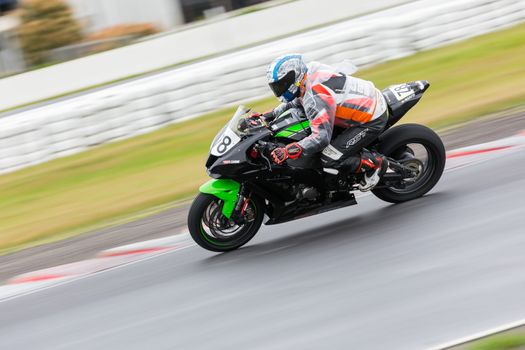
point(332, 101)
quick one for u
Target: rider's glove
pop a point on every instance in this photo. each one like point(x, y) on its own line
point(292, 151)
point(279, 155)
point(266, 116)
point(256, 120)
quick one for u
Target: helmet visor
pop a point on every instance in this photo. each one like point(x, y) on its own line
point(280, 86)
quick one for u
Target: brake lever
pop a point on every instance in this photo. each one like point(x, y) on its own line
point(265, 146)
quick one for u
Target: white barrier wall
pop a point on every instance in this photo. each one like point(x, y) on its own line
point(144, 105)
point(190, 43)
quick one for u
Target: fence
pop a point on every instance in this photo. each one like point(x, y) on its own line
point(144, 105)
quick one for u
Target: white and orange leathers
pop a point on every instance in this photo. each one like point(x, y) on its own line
point(330, 98)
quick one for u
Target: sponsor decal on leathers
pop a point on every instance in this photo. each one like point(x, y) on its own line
point(356, 138)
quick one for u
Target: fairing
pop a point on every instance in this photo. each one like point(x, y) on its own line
point(402, 97)
point(226, 190)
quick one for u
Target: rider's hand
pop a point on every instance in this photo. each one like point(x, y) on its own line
point(255, 122)
point(292, 151)
point(279, 155)
point(266, 116)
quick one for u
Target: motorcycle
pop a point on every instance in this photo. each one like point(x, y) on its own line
point(247, 186)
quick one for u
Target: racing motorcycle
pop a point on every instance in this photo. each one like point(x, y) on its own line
point(247, 187)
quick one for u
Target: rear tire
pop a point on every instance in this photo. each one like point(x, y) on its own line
point(197, 226)
point(394, 142)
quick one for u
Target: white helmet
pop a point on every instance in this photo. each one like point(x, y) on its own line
point(285, 75)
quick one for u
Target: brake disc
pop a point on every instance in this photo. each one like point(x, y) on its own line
point(416, 168)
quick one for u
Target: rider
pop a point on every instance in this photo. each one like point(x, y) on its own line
point(345, 113)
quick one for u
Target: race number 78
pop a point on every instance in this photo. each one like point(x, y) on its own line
point(402, 91)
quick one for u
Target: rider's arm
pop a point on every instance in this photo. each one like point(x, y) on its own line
point(283, 107)
point(319, 105)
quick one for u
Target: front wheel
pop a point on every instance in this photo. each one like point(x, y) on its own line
point(210, 229)
point(418, 148)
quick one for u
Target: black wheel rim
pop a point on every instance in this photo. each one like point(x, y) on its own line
point(218, 230)
point(422, 159)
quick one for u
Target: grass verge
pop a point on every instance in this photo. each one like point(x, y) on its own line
point(509, 340)
point(501, 342)
point(59, 198)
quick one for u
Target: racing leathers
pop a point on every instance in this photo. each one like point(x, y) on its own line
point(345, 113)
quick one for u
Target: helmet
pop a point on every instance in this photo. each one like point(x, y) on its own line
point(285, 75)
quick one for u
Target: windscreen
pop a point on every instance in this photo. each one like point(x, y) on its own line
point(240, 114)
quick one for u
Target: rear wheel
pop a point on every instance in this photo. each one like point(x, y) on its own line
point(419, 149)
point(210, 229)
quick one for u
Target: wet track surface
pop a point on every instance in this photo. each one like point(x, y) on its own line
point(372, 276)
point(174, 220)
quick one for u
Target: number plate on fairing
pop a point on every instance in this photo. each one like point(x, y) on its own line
point(402, 91)
point(225, 143)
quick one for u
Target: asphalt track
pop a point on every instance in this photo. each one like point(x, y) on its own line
point(169, 222)
point(372, 276)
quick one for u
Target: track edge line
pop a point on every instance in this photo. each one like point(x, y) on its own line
point(480, 335)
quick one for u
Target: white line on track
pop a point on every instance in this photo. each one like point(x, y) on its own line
point(479, 335)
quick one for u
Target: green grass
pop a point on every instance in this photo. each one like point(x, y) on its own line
point(61, 197)
point(500, 342)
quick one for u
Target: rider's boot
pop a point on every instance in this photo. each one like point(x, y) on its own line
point(373, 166)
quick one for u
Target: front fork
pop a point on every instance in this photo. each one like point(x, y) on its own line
point(241, 212)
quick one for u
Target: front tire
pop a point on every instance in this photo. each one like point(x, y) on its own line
point(395, 143)
point(204, 218)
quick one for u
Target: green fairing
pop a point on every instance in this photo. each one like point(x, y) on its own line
point(293, 129)
point(224, 189)
point(284, 133)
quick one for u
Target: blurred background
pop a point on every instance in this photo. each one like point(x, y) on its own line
point(107, 112)
point(103, 102)
point(37, 33)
